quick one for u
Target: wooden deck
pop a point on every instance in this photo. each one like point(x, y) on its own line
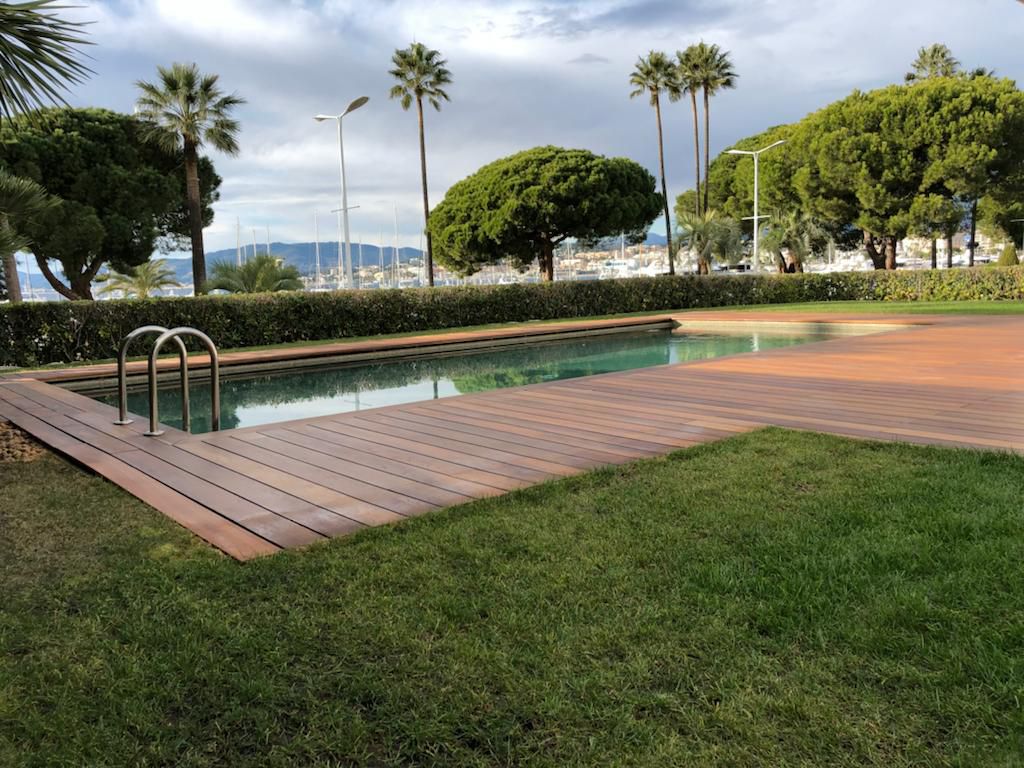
point(942, 380)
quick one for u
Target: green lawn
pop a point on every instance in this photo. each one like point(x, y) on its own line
point(778, 599)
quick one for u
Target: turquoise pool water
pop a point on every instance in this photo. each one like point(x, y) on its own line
point(280, 396)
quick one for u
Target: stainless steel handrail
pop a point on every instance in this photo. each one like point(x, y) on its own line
point(122, 373)
point(211, 348)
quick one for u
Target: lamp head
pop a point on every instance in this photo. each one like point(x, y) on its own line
point(356, 104)
point(321, 118)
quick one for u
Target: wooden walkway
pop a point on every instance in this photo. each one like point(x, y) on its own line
point(941, 380)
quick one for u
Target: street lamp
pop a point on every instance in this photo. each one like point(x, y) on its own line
point(356, 104)
point(756, 154)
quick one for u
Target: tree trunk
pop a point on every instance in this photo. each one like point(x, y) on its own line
point(547, 261)
point(949, 251)
point(664, 188)
point(56, 284)
point(974, 231)
point(877, 259)
point(12, 279)
point(935, 253)
point(890, 252)
point(426, 203)
point(707, 146)
point(195, 217)
point(696, 152)
point(780, 262)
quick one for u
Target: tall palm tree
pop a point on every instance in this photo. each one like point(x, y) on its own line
point(714, 72)
point(934, 61)
point(39, 55)
point(653, 76)
point(20, 200)
point(185, 111)
point(421, 74)
point(262, 274)
point(141, 281)
point(689, 79)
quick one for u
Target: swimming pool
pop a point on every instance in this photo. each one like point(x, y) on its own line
point(263, 398)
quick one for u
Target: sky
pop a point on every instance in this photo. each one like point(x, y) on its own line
point(525, 73)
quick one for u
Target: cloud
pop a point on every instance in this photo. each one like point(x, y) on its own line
point(526, 72)
point(589, 58)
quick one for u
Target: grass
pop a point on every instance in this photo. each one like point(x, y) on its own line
point(781, 598)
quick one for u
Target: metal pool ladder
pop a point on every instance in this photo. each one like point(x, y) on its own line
point(174, 334)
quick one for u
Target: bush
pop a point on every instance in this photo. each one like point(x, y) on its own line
point(39, 333)
point(1008, 258)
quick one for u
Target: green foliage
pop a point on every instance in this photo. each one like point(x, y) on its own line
point(39, 333)
point(654, 75)
point(141, 282)
point(934, 61)
point(121, 197)
point(420, 73)
point(904, 159)
point(1008, 258)
point(522, 206)
point(709, 236)
point(39, 56)
point(260, 274)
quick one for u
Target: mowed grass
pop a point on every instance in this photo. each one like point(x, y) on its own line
point(778, 599)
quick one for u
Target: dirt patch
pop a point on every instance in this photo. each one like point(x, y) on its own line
point(16, 445)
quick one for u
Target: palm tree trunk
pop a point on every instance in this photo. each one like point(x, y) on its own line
point(696, 151)
point(707, 146)
point(426, 203)
point(11, 278)
point(664, 188)
point(195, 217)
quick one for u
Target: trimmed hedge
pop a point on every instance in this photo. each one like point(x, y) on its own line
point(40, 333)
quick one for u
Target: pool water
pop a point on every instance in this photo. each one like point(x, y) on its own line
point(251, 400)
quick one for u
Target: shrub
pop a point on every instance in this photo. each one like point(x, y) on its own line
point(39, 333)
point(1008, 258)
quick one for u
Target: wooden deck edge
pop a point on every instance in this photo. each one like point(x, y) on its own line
point(208, 525)
point(342, 349)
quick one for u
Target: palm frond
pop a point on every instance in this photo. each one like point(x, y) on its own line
point(39, 55)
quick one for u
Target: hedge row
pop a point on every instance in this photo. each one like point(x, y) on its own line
point(41, 333)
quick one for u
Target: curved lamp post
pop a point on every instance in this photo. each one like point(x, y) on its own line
point(756, 154)
point(352, 107)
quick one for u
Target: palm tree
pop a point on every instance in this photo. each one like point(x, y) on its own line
point(141, 281)
point(261, 274)
point(652, 76)
point(421, 74)
point(185, 111)
point(934, 61)
point(689, 79)
point(38, 56)
point(714, 73)
point(708, 236)
point(20, 200)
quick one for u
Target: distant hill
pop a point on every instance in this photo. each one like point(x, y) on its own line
point(303, 255)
